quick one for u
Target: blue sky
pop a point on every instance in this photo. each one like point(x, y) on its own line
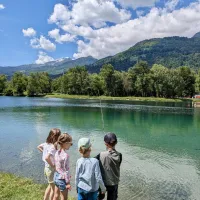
point(80, 28)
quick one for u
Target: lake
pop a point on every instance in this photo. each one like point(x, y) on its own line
point(160, 142)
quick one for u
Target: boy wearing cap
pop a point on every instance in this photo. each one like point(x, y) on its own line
point(110, 162)
point(88, 175)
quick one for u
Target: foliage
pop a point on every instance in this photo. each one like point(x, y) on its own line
point(19, 83)
point(171, 52)
point(3, 80)
point(38, 84)
point(140, 80)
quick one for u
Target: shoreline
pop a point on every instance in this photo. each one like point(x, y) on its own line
point(130, 98)
point(110, 98)
point(24, 188)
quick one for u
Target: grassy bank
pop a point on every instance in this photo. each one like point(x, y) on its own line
point(17, 188)
point(155, 99)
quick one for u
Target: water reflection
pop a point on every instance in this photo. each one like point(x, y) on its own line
point(159, 145)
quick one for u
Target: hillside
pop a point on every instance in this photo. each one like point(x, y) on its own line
point(53, 68)
point(171, 52)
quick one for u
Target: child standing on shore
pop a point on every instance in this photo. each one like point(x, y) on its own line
point(88, 176)
point(48, 149)
point(62, 175)
point(110, 162)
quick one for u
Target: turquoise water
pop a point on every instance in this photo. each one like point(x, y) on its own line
point(160, 142)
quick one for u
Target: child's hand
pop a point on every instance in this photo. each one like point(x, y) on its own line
point(68, 187)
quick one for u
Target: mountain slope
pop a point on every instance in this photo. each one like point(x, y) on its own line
point(53, 68)
point(171, 52)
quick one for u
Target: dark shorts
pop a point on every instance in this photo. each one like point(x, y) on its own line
point(60, 183)
point(112, 192)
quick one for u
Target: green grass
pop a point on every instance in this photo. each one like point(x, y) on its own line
point(16, 188)
point(155, 99)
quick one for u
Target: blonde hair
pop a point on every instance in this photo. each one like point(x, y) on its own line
point(63, 138)
point(84, 150)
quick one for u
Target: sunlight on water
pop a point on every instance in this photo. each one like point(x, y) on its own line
point(159, 142)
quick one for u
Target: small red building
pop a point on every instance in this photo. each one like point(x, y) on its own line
point(197, 96)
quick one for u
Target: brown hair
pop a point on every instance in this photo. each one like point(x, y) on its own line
point(83, 150)
point(63, 138)
point(53, 136)
point(112, 144)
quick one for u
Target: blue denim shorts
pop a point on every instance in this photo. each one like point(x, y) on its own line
point(60, 183)
point(82, 194)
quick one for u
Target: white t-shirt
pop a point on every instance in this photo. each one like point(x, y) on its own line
point(48, 149)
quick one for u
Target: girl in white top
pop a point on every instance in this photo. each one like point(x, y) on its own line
point(48, 150)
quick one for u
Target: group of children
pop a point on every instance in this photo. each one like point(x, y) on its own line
point(94, 176)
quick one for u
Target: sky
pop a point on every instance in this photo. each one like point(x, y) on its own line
point(39, 31)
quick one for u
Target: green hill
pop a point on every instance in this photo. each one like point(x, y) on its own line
point(171, 52)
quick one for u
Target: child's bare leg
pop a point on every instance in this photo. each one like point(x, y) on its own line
point(64, 194)
point(56, 193)
point(47, 192)
point(52, 186)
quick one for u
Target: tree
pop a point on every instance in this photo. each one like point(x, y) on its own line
point(197, 83)
point(107, 73)
point(174, 87)
point(19, 83)
point(8, 90)
point(96, 85)
point(75, 81)
point(33, 87)
point(56, 84)
point(143, 82)
point(188, 81)
point(44, 82)
point(127, 83)
point(38, 84)
point(118, 89)
point(3, 80)
point(159, 76)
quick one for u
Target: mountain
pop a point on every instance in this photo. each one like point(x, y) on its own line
point(197, 35)
point(53, 68)
point(171, 52)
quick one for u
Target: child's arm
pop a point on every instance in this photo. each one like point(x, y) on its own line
point(67, 176)
point(48, 159)
point(40, 147)
point(99, 178)
point(77, 176)
point(120, 155)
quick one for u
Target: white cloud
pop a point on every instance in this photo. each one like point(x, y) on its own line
point(89, 13)
point(61, 13)
point(55, 34)
point(157, 24)
point(171, 4)
point(137, 3)
point(42, 43)
point(140, 13)
point(43, 58)
point(97, 12)
point(29, 32)
point(2, 7)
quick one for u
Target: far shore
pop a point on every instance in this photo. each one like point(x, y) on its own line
point(131, 98)
point(109, 98)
